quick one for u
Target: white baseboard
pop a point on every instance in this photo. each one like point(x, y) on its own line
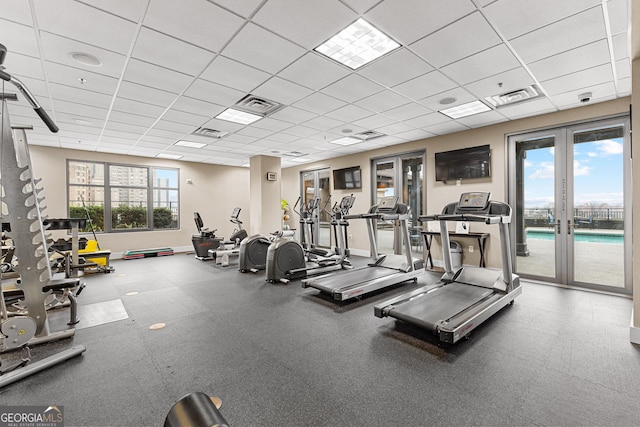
point(634, 332)
point(360, 252)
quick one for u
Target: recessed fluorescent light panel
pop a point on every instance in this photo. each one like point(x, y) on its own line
point(238, 116)
point(191, 144)
point(357, 45)
point(347, 140)
point(464, 110)
point(169, 156)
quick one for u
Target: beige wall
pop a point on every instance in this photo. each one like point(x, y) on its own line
point(438, 193)
point(214, 192)
point(266, 214)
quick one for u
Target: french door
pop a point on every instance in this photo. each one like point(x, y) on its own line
point(403, 176)
point(569, 188)
point(315, 183)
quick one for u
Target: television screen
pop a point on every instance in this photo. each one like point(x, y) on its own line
point(348, 178)
point(466, 163)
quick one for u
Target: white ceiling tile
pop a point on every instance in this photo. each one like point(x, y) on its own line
point(213, 93)
point(128, 9)
point(349, 113)
point(133, 119)
point(517, 78)
point(445, 128)
point(70, 76)
point(164, 125)
point(271, 124)
point(527, 109)
point(314, 71)
point(293, 115)
point(578, 30)
point(620, 46)
point(18, 38)
point(59, 49)
point(484, 64)
point(352, 88)
point(623, 68)
point(254, 133)
point(306, 23)
point(425, 85)
point(23, 66)
point(140, 108)
point(415, 135)
point(374, 122)
point(482, 119)
point(95, 27)
point(272, 54)
point(581, 79)
point(111, 148)
point(228, 72)
point(195, 106)
point(244, 7)
point(319, 103)
point(152, 75)
point(571, 99)
point(383, 101)
point(282, 91)
point(186, 118)
point(460, 95)
point(407, 111)
point(145, 94)
point(394, 128)
point(65, 119)
point(618, 15)
point(361, 6)
point(395, 68)
point(427, 120)
point(79, 110)
point(174, 54)
point(624, 86)
point(80, 96)
point(586, 56)
point(16, 11)
point(408, 20)
point(213, 25)
point(300, 131)
point(323, 123)
point(463, 38)
point(166, 134)
point(517, 17)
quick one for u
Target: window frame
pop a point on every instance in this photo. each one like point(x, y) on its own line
point(150, 188)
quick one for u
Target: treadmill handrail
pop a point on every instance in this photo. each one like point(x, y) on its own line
point(487, 219)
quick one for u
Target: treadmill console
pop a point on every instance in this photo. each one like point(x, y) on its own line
point(477, 201)
point(388, 204)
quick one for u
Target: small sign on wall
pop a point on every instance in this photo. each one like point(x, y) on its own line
point(272, 176)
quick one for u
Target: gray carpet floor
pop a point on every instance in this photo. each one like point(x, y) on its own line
point(283, 355)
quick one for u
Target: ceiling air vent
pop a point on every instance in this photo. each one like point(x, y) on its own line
point(368, 134)
point(256, 105)
point(515, 96)
point(294, 154)
point(209, 133)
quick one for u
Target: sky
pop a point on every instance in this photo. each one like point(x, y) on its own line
point(598, 173)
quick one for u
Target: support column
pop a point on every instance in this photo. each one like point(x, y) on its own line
point(265, 195)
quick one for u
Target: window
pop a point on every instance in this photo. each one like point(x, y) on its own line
point(123, 197)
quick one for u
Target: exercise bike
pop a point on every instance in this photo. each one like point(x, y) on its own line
point(289, 260)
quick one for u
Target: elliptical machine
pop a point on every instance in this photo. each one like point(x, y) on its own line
point(253, 250)
point(230, 247)
point(289, 260)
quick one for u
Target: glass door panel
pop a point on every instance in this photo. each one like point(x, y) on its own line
point(536, 217)
point(597, 233)
point(316, 184)
point(385, 186)
point(412, 195)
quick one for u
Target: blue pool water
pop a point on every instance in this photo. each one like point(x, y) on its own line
point(578, 237)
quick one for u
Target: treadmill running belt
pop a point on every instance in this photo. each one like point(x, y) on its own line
point(440, 304)
point(349, 278)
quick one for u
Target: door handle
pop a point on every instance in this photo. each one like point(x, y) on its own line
point(568, 226)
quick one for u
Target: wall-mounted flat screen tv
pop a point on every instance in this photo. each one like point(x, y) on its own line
point(347, 178)
point(466, 163)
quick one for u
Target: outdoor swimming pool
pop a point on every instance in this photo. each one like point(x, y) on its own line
point(593, 237)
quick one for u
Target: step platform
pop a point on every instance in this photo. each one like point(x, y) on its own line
point(147, 253)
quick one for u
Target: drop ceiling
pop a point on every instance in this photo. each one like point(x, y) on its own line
point(169, 68)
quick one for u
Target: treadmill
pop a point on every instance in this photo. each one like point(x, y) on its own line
point(457, 304)
point(384, 270)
